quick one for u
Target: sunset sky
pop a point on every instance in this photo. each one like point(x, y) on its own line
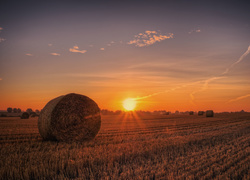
point(167, 55)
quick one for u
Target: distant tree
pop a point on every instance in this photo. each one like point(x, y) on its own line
point(37, 111)
point(9, 110)
point(15, 110)
point(19, 110)
point(29, 110)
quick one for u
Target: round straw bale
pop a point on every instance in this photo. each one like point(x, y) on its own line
point(33, 114)
point(200, 113)
point(209, 113)
point(191, 112)
point(72, 117)
point(25, 115)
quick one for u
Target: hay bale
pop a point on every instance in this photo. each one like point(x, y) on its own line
point(191, 112)
point(72, 117)
point(25, 115)
point(200, 113)
point(33, 114)
point(209, 113)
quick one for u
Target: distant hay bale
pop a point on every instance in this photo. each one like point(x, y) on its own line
point(33, 114)
point(191, 112)
point(209, 113)
point(72, 117)
point(200, 113)
point(25, 115)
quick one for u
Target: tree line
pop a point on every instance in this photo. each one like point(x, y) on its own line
point(18, 110)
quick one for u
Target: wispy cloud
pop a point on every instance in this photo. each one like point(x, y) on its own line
point(2, 39)
point(28, 54)
point(50, 45)
point(55, 54)
point(194, 30)
point(1, 79)
point(148, 38)
point(75, 49)
point(239, 98)
point(102, 49)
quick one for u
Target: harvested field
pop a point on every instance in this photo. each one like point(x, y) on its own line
point(132, 146)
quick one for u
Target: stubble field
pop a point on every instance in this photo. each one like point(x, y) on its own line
point(132, 146)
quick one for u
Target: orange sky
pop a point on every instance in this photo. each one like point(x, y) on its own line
point(168, 56)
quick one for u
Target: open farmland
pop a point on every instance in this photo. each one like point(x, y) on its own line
point(132, 146)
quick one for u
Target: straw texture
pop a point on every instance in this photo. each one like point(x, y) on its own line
point(72, 117)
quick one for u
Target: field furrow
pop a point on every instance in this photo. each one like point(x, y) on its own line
point(132, 147)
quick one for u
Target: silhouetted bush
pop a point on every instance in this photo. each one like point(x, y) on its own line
point(9, 110)
point(29, 110)
point(3, 115)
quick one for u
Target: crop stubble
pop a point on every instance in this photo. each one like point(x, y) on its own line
point(132, 146)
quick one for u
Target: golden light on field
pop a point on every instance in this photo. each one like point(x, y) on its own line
point(129, 104)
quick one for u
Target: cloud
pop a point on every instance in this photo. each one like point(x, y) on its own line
point(75, 49)
point(2, 40)
point(1, 79)
point(239, 98)
point(50, 45)
point(194, 30)
point(28, 54)
point(102, 49)
point(148, 38)
point(55, 54)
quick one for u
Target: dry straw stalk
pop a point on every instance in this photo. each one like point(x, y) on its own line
point(72, 117)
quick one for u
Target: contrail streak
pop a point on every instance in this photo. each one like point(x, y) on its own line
point(206, 81)
point(205, 86)
point(239, 60)
point(169, 90)
point(239, 98)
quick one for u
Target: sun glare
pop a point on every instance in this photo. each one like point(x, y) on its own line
point(129, 104)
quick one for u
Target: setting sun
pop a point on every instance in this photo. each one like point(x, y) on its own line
point(129, 104)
